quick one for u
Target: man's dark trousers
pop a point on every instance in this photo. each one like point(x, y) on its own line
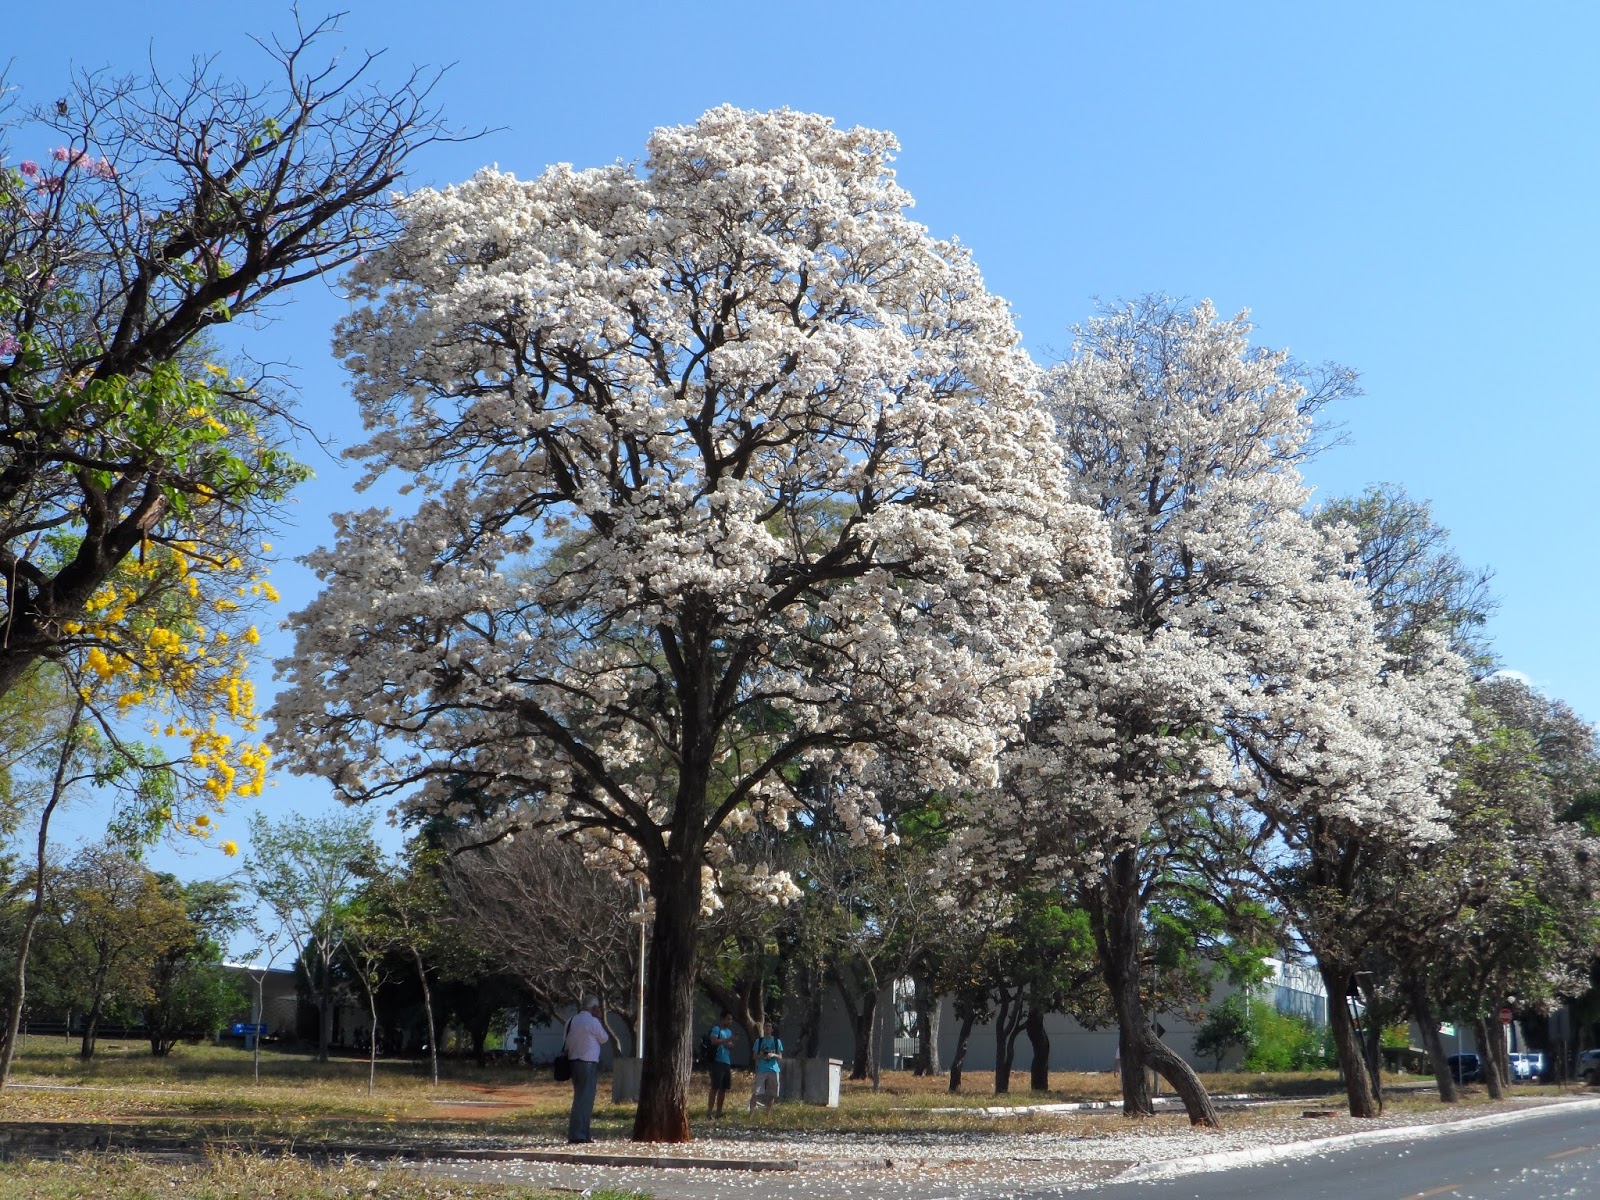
point(584, 1077)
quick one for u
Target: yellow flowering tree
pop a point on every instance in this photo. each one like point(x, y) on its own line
point(166, 641)
point(138, 216)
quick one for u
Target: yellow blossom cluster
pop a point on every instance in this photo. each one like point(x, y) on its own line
point(148, 650)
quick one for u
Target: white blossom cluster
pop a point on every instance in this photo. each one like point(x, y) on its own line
point(1240, 657)
point(722, 466)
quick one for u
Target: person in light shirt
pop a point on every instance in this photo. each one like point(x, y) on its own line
point(585, 1035)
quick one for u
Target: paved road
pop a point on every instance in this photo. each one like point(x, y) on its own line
point(1537, 1159)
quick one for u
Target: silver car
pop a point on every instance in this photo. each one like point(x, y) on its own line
point(1589, 1066)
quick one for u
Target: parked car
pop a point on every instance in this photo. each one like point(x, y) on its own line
point(1588, 1066)
point(1465, 1068)
point(1526, 1065)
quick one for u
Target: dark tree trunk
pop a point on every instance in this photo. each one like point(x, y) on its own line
point(479, 1032)
point(1039, 1040)
point(91, 1029)
point(1114, 905)
point(959, 1058)
point(1007, 1025)
point(861, 1025)
point(813, 984)
point(1346, 1041)
point(1422, 1013)
point(670, 973)
point(1372, 1045)
point(1488, 1060)
point(927, 1006)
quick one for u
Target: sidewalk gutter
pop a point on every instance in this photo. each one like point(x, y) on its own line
point(1170, 1168)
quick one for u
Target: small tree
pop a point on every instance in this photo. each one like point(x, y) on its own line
point(190, 995)
point(116, 920)
point(534, 909)
point(402, 908)
point(306, 871)
point(1226, 1028)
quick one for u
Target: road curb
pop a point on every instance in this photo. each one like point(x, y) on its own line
point(1195, 1164)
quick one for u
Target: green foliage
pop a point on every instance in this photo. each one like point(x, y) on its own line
point(1226, 1027)
point(1285, 1042)
point(190, 996)
point(1395, 1037)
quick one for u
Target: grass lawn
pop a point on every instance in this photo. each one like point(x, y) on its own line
point(209, 1089)
point(242, 1177)
point(207, 1093)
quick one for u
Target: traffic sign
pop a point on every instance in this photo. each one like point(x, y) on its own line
point(1505, 1016)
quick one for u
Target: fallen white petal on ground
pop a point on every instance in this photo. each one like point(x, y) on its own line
point(918, 1166)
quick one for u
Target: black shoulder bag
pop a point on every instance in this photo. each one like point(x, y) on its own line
point(562, 1067)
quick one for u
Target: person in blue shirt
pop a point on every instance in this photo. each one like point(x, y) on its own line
point(721, 1039)
point(768, 1053)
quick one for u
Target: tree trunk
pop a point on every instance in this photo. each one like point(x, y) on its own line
point(1114, 903)
point(1346, 1041)
point(427, 1009)
point(255, 1038)
point(1502, 1051)
point(13, 1023)
point(861, 1029)
point(1488, 1060)
point(959, 1058)
point(1007, 1024)
point(19, 981)
point(1422, 1012)
point(1372, 1046)
point(325, 1013)
point(91, 1029)
point(663, 1112)
point(372, 1039)
point(1039, 1040)
point(877, 1042)
point(19, 978)
point(813, 984)
point(927, 1006)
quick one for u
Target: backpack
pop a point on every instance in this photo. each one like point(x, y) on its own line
point(707, 1050)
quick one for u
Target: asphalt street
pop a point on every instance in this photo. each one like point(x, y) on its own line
point(1537, 1159)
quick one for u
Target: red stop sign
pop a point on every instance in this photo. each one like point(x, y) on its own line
point(1505, 1016)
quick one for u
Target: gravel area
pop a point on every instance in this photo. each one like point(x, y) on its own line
point(964, 1166)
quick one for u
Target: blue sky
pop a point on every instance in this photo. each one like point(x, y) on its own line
point(1407, 189)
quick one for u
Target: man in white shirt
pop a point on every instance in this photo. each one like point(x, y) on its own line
point(585, 1035)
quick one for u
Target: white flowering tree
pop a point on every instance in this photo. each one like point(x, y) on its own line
point(1184, 437)
point(1349, 757)
point(726, 468)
